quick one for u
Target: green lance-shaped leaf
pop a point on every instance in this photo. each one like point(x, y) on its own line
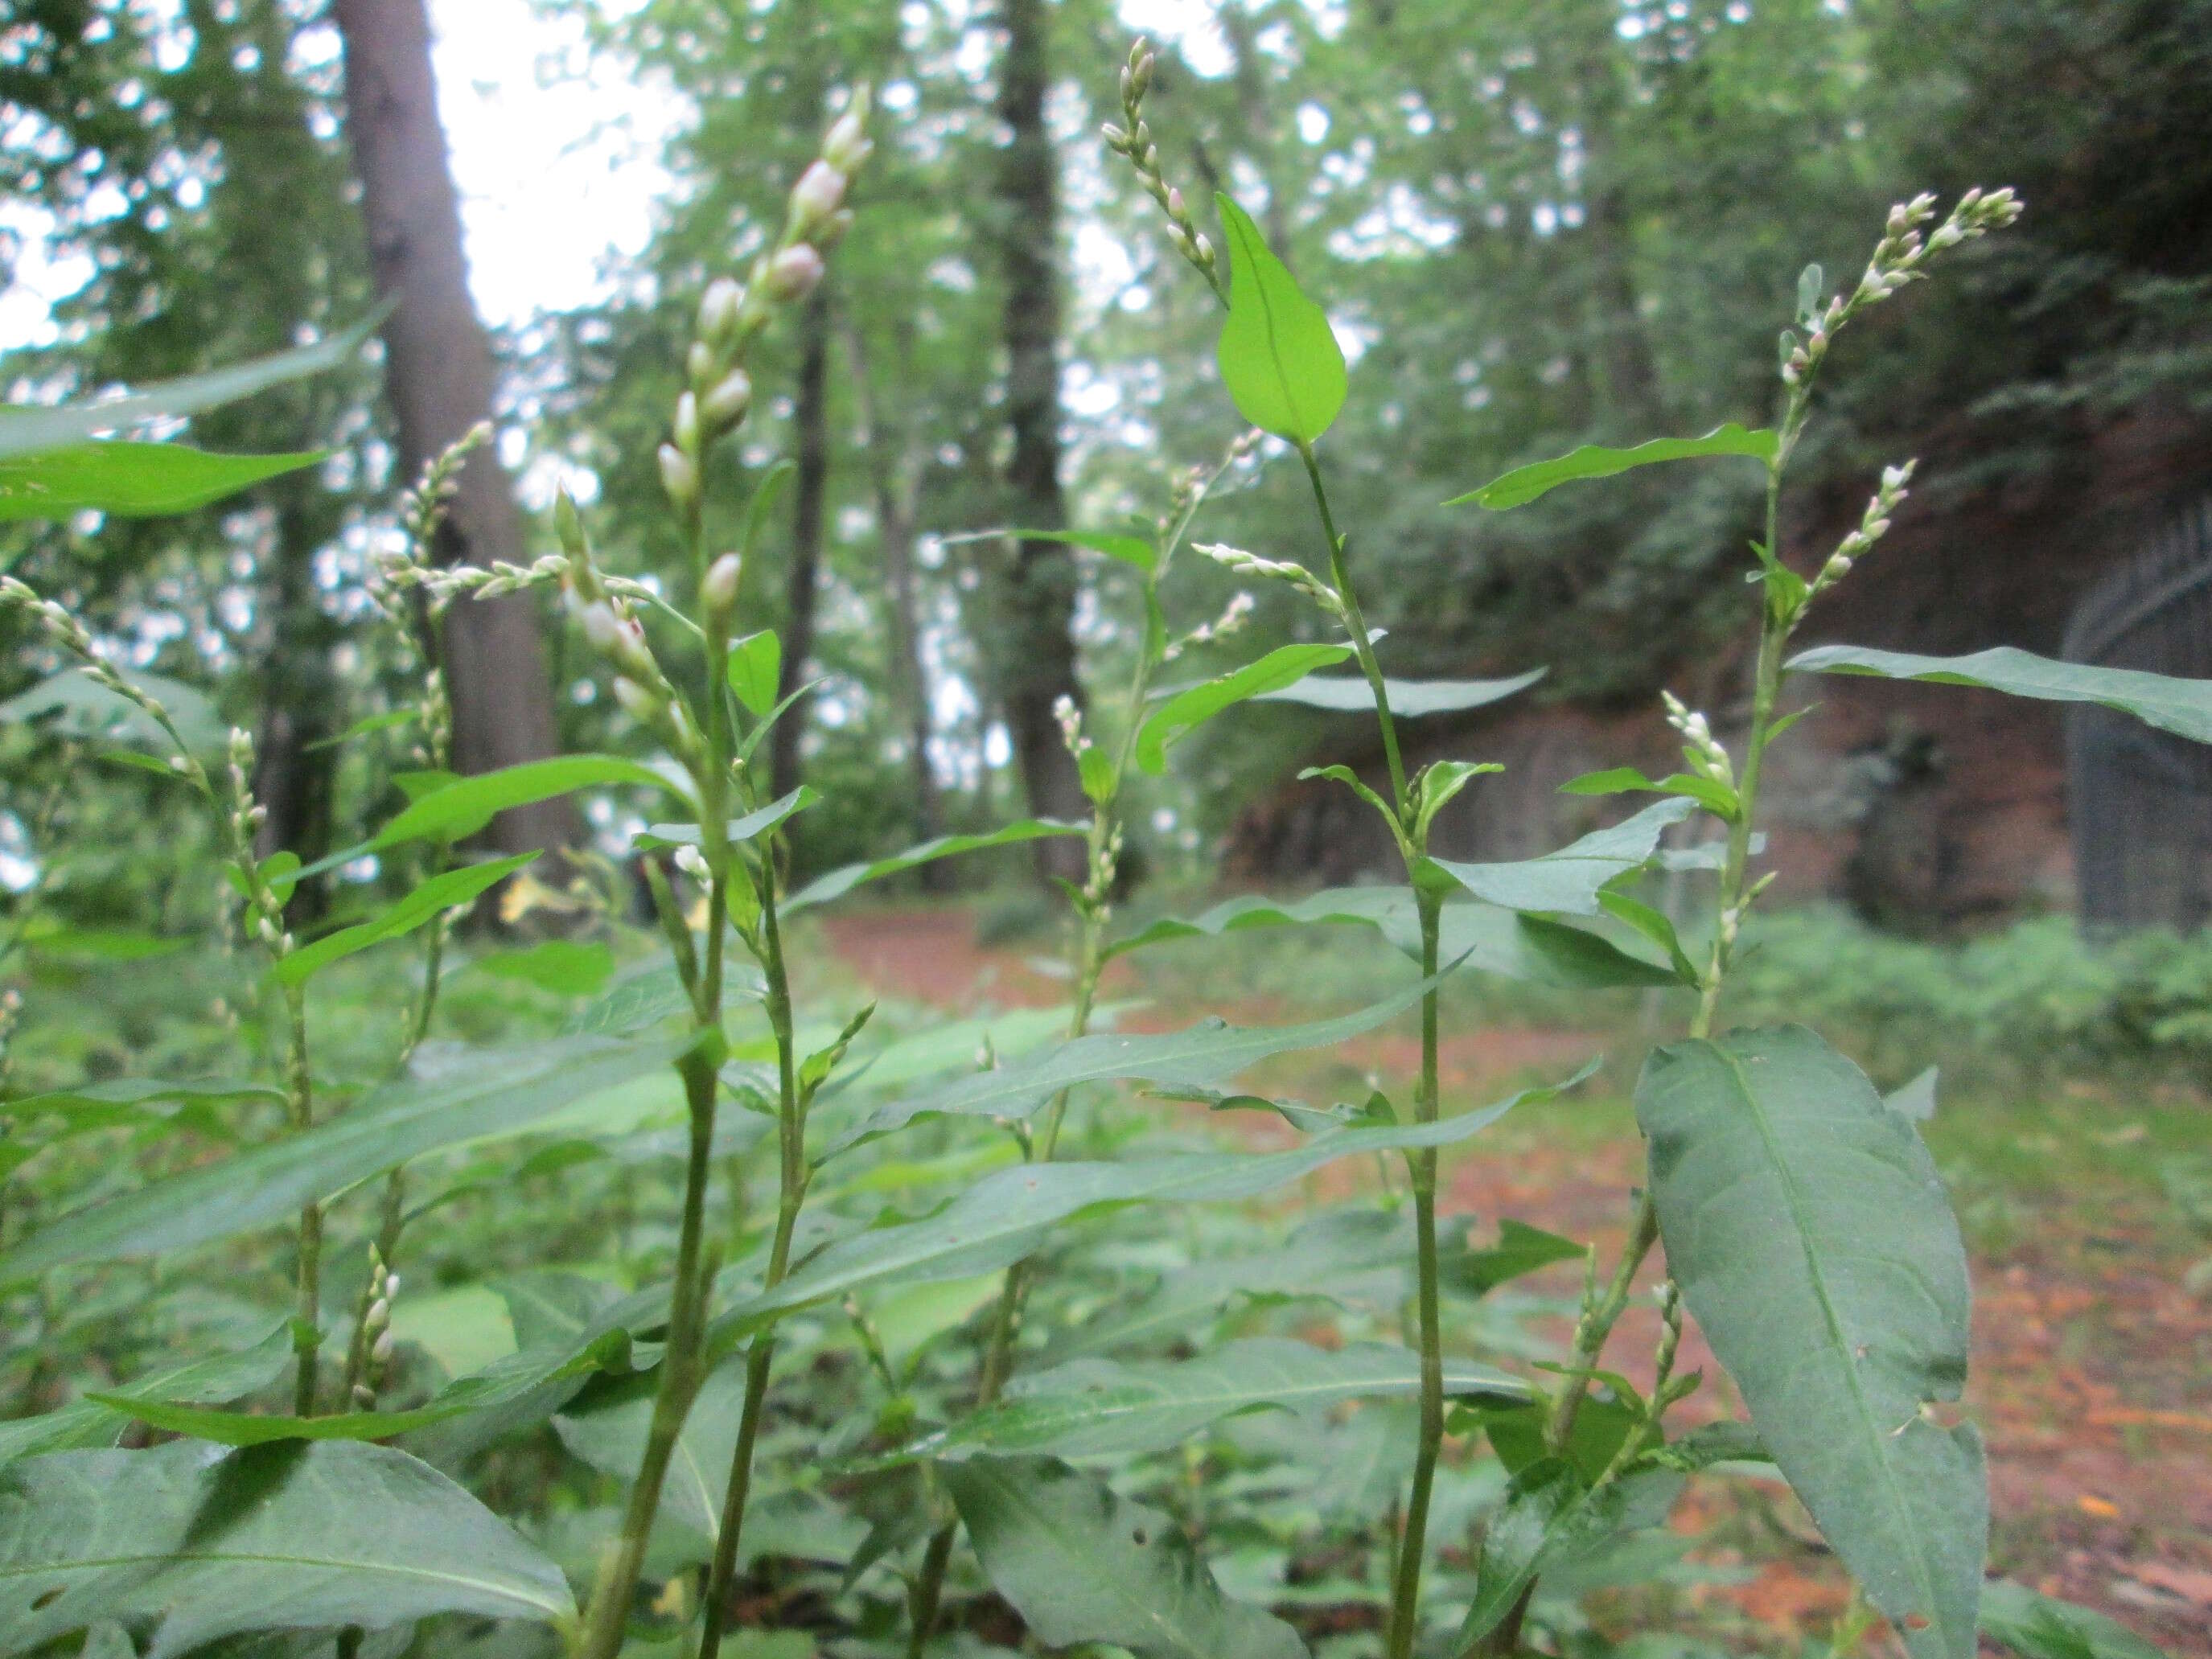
point(499, 1092)
point(1325, 1252)
point(1550, 1520)
point(2037, 1626)
point(1082, 1565)
point(1809, 1231)
point(753, 824)
point(757, 670)
point(189, 1543)
point(1102, 1407)
point(122, 1101)
point(840, 882)
point(27, 431)
point(89, 1423)
point(80, 706)
point(1279, 356)
point(1570, 880)
point(1476, 936)
point(130, 480)
point(608, 1430)
point(1525, 483)
point(1409, 699)
point(1003, 1217)
point(447, 890)
point(2179, 706)
point(461, 809)
point(1186, 710)
point(1199, 1057)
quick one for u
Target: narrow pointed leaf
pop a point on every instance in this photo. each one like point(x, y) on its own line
point(1209, 1053)
point(2037, 1626)
point(1279, 356)
point(1136, 551)
point(1101, 1407)
point(1081, 1564)
point(1569, 880)
point(124, 1100)
point(129, 480)
point(757, 670)
point(753, 825)
point(1809, 1231)
point(459, 810)
point(79, 706)
point(192, 1543)
point(1476, 936)
point(1551, 1520)
point(88, 1423)
point(2182, 706)
point(447, 890)
point(1185, 712)
point(498, 1092)
point(838, 883)
point(29, 431)
point(1002, 1218)
point(1409, 699)
point(1525, 483)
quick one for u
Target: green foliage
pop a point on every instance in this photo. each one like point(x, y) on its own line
point(1525, 483)
point(1277, 355)
point(2179, 706)
point(130, 480)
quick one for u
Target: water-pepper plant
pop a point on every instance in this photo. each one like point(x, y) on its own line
point(828, 1333)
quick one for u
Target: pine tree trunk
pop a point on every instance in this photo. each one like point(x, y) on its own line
point(439, 380)
point(1038, 662)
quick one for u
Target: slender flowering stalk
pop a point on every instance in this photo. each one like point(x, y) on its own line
point(1087, 957)
point(741, 886)
point(1901, 257)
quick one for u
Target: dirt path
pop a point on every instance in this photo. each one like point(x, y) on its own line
point(2092, 1366)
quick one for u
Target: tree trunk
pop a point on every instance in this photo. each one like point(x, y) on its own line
point(1037, 660)
point(893, 478)
point(440, 379)
point(294, 773)
point(810, 490)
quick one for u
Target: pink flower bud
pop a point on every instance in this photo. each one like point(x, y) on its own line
point(719, 309)
point(794, 273)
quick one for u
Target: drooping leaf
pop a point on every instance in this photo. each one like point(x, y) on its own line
point(88, 1423)
point(1916, 1099)
point(1716, 797)
point(738, 831)
point(1279, 356)
point(130, 480)
point(1569, 880)
point(1101, 1407)
point(366, 725)
point(447, 890)
point(498, 1091)
point(80, 706)
point(1210, 1052)
point(2182, 706)
point(838, 883)
point(29, 431)
point(2037, 1626)
point(1185, 712)
point(1409, 699)
point(189, 1543)
point(1001, 1218)
point(1478, 936)
point(1521, 1251)
point(1525, 483)
point(757, 670)
point(1082, 1565)
point(1810, 1233)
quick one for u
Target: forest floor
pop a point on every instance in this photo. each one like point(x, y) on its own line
point(2091, 1373)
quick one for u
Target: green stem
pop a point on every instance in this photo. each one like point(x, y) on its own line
point(1356, 621)
point(791, 1127)
point(300, 1108)
point(1406, 1589)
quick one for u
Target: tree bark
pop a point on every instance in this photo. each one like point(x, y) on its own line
point(1038, 661)
point(439, 380)
point(810, 490)
point(893, 477)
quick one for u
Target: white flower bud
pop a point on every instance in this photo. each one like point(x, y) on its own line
point(379, 1315)
point(720, 309)
point(819, 193)
point(845, 146)
point(679, 477)
point(727, 400)
point(794, 273)
point(639, 704)
point(686, 424)
point(693, 863)
point(699, 361)
point(717, 591)
point(380, 1350)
